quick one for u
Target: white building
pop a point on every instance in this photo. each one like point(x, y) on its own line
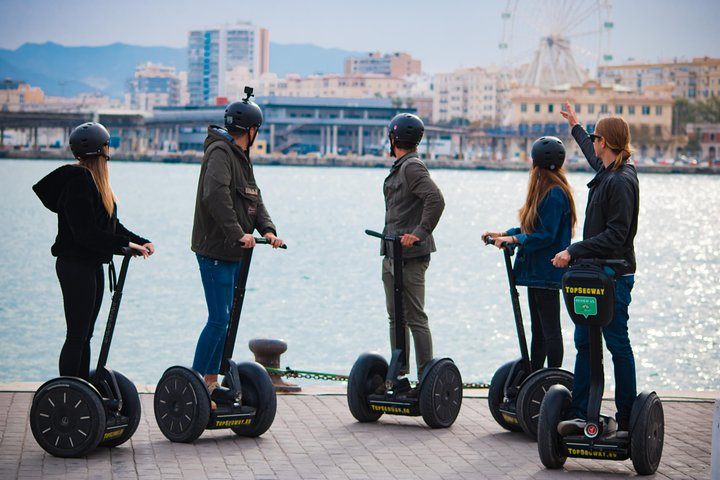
point(466, 93)
point(215, 51)
point(153, 86)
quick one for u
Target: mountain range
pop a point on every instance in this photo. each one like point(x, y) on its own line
point(68, 71)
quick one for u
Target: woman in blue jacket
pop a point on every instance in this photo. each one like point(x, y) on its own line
point(547, 221)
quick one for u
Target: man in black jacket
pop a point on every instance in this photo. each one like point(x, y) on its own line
point(611, 220)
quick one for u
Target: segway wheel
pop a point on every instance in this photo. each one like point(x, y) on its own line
point(496, 395)
point(533, 391)
point(367, 374)
point(441, 394)
point(182, 405)
point(67, 417)
point(257, 392)
point(647, 433)
point(549, 442)
point(131, 408)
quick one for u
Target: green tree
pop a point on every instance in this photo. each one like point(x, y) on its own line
point(684, 112)
point(709, 110)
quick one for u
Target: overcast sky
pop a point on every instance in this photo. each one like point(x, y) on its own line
point(443, 34)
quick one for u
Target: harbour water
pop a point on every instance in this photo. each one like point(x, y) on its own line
point(324, 295)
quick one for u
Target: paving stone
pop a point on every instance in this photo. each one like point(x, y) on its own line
point(315, 437)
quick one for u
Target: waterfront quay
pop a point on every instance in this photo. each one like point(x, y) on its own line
point(314, 436)
point(355, 161)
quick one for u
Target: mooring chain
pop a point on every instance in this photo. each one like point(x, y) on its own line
point(290, 373)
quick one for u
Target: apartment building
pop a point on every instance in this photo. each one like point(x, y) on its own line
point(215, 51)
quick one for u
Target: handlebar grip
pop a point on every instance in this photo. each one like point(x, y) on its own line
point(264, 241)
point(373, 233)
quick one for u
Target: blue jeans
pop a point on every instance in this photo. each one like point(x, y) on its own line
point(618, 342)
point(218, 278)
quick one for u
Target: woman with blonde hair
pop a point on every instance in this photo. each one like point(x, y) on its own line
point(611, 220)
point(89, 233)
point(547, 221)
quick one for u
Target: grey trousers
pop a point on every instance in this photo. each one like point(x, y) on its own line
point(416, 320)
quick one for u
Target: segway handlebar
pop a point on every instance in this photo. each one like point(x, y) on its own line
point(490, 241)
point(389, 238)
point(601, 262)
point(264, 241)
point(130, 251)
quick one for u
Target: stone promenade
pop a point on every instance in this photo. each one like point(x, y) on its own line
point(315, 437)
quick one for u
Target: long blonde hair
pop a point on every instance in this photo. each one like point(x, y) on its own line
point(539, 184)
point(616, 132)
point(98, 167)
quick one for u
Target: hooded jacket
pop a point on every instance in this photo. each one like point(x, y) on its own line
point(85, 230)
point(228, 203)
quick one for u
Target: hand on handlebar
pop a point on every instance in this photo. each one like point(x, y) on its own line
point(274, 241)
point(247, 241)
point(408, 240)
point(144, 250)
point(561, 259)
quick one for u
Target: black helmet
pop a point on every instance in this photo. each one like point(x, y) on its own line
point(548, 152)
point(406, 128)
point(88, 139)
point(241, 116)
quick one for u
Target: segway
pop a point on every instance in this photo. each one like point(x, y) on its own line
point(438, 396)
point(182, 399)
point(71, 416)
point(590, 298)
point(515, 390)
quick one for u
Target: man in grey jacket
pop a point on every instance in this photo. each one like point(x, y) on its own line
point(413, 205)
point(228, 208)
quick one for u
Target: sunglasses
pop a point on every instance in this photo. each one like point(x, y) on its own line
point(594, 137)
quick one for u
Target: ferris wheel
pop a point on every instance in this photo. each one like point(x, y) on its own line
point(557, 41)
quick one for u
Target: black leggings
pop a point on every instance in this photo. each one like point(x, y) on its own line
point(82, 289)
point(546, 330)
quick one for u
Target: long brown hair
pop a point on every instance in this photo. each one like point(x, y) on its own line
point(539, 184)
point(616, 132)
point(98, 167)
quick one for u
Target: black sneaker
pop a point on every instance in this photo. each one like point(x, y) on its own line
point(219, 394)
point(573, 426)
point(623, 427)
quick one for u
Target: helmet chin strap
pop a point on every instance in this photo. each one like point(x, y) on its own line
point(392, 146)
point(251, 139)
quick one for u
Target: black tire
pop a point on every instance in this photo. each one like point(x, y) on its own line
point(552, 408)
point(131, 408)
point(533, 391)
point(181, 404)
point(67, 417)
point(441, 394)
point(257, 392)
point(367, 374)
point(496, 395)
point(647, 433)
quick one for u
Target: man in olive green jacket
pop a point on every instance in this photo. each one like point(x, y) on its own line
point(413, 206)
point(228, 208)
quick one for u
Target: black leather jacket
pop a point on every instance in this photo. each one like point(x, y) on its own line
point(611, 215)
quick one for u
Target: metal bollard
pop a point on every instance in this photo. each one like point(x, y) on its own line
point(267, 353)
